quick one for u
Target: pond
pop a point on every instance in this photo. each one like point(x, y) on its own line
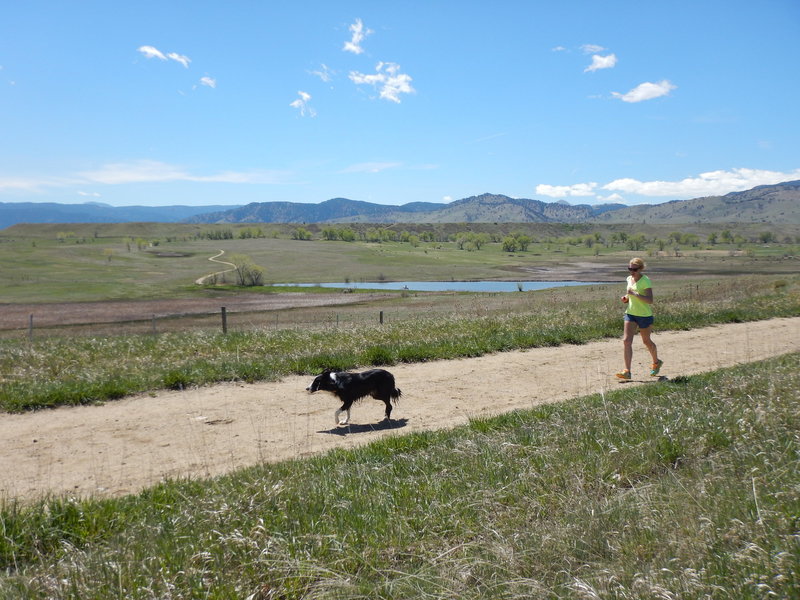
point(448, 286)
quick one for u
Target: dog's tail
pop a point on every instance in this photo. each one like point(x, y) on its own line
point(395, 394)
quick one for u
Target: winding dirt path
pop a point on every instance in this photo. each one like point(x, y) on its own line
point(202, 280)
point(127, 445)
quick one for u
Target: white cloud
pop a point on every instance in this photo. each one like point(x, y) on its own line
point(150, 171)
point(646, 91)
point(387, 79)
point(184, 60)
point(713, 183)
point(151, 52)
point(591, 48)
point(301, 104)
point(358, 34)
point(89, 194)
point(33, 184)
point(324, 73)
point(601, 62)
point(563, 191)
point(371, 167)
point(133, 172)
point(208, 81)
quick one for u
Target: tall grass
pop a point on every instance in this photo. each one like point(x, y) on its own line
point(683, 489)
point(79, 370)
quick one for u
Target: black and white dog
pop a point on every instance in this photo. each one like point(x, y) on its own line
point(349, 387)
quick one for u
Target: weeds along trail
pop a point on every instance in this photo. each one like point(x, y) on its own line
point(127, 445)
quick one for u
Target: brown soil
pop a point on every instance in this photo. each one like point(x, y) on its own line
point(125, 446)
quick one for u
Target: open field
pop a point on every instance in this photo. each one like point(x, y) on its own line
point(61, 263)
point(679, 487)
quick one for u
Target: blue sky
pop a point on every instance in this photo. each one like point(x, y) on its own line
point(158, 103)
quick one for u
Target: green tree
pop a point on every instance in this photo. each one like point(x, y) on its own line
point(247, 272)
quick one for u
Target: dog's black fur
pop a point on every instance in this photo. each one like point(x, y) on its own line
point(349, 387)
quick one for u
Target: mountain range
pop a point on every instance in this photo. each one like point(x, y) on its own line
point(778, 203)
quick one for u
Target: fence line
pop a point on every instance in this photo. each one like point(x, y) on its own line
point(225, 321)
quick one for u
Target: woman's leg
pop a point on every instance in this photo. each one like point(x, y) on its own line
point(649, 343)
point(629, 331)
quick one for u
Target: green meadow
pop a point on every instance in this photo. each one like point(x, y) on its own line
point(680, 489)
point(90, 262)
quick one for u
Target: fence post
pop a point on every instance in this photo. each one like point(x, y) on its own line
point(224, 320)
point(154, 325)
point(381, 318)
point(30, 328)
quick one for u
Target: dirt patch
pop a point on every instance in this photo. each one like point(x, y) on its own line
point(125, 446)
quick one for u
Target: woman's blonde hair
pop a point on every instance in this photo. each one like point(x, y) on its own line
point(638, 262)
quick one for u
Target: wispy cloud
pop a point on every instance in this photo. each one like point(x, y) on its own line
point(712, 183)
point(137, 172)
point(151, 171)
point(33, 184)
point(601, 62)
point(180, 58)
point(301, 104)
point(646, 91)
point(208, 81)
point(487, 138)
point(591, 48)
point(324, 73)
point(371, 167)
point(387, 79)
point(153, 52)
point(358, 33)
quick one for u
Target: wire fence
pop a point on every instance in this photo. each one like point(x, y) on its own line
point(45, 323)
point(222, 321)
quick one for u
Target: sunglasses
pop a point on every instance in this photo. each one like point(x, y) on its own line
point(633, 268)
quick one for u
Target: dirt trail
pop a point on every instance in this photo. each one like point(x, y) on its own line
point(127, 445)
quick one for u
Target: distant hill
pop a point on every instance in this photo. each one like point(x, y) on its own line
point(336, 209)
point(779, 203)
point(12, 213)
point(486, 208)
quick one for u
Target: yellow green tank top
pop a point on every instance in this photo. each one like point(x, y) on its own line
point(636, 306)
